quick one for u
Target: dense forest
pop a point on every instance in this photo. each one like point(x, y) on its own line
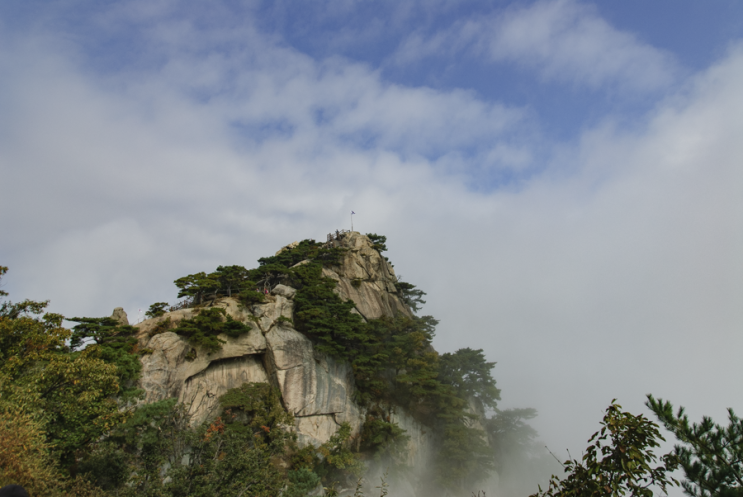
point(72, 421)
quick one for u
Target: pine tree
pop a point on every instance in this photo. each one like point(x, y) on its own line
point(710, 455)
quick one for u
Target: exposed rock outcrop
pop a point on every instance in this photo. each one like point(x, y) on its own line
point(318, 390)
point(120, 316)
point(366, 278)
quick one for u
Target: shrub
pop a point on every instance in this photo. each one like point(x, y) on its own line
point(204, 328)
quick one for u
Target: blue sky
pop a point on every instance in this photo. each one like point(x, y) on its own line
point(562, 177)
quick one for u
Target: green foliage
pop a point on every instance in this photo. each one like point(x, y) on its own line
point(161, 327)
point(463, 456)
point(204, 328)
point(257, 408)
point(301, 482)
point(520, 460)
point(322, 315)
point(412, 296)
point(197, 286)
point(284, 319)
point(70, 394)
point(618, 461)
point(379, 242)
point(395, 361)
point(467, 371)
point(232, 279)
point(115, 344)
point(25, 457)
point(710, 455)
point(226, 281)
point(3, 270)
point(157, 309)
point(339, 461)
point(251, 295)
point(333, 462)
point(305, 250)
point(152, 436)
point(158, 453)
point(509, 435)
point(383, 437)
point(224, 462)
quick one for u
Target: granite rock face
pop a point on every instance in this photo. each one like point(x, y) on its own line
point(318, 390)
point(120, 316)
point(366, 278)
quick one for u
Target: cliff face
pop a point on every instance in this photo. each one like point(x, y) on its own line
point(315, 388)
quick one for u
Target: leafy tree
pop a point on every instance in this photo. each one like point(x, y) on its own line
point(232, 278)
point(463, 456)
point(339, 462)
point(225, 281)
point(519, 459)
point(157, 309)
point(509, 435)
point(467, 371)
point(710, 455)
point(301, 482)
point(69, 394)
point(197, 286)
point(24, 308)
point(153, 436)
point(116, 344)
point(619, 461)
point(396, 361)
point(257, 408)
point(158, 453)
point(25, 457)
point(224, 462)
point(383, 437)
point(203, 329)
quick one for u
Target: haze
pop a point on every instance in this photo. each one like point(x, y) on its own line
point(563, 178)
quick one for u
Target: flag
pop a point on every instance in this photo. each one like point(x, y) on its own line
point(352, 213)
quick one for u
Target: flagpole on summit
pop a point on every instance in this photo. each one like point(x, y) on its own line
point(352, 213)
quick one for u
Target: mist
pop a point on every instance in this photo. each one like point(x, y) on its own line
point(578, 220)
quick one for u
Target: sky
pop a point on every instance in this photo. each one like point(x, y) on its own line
point(563, 178)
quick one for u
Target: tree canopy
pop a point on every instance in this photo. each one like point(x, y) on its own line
point(711, 455)
point(619, 461)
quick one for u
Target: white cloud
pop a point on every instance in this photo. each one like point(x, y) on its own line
point(563, 40)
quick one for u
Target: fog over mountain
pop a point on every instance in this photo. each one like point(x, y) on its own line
point(563, 178)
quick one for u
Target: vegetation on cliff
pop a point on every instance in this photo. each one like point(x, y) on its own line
point(70, 423)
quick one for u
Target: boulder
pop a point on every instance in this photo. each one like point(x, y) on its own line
point(120, 316)
point(287, 247)
point(268, 313)
point(285, 291)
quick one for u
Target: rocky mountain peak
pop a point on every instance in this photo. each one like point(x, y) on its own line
point(317, 389)
point(366, 277)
